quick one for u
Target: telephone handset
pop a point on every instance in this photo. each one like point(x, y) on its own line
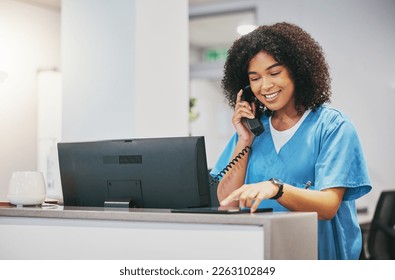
point(255, 125)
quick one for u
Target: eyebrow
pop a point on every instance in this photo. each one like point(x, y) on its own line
point(268, 68)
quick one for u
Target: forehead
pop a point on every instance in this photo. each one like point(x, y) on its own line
point(262, 59)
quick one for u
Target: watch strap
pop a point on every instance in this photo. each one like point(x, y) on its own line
point(280, 188)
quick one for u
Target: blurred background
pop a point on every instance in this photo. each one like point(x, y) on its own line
point(97, 69)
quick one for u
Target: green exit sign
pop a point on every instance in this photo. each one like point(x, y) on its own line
point(217, 54)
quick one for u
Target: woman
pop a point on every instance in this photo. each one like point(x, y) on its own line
point(309, 157)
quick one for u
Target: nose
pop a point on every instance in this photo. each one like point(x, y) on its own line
point(266, 83)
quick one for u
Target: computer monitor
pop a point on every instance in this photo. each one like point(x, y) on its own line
point(144, 173)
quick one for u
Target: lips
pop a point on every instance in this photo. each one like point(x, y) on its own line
point(271, 96)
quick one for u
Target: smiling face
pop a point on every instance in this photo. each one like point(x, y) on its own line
point(271, 83)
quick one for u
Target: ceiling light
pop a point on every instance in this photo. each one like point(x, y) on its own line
point(245, 29)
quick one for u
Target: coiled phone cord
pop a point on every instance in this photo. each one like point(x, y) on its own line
point(230, 165)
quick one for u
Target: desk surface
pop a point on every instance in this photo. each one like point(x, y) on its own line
point(145, 215)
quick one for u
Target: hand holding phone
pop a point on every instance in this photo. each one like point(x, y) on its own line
point(255, 125)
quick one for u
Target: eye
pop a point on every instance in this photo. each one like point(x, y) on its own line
point(275, 73)
point(253, 79)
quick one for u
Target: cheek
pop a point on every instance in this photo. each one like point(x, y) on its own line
point(291, 87)
point(255, 89)
point(288, 84)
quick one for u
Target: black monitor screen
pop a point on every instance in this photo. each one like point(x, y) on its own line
point(143, 173)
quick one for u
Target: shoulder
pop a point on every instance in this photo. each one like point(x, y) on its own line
point(329, 113)
point(329, 116)
point(329, 120)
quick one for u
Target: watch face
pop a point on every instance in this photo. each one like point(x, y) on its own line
point(277, 181)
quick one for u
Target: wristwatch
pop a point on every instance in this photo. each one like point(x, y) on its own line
point(280, 185)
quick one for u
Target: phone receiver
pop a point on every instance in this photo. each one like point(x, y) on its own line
point(255, 125)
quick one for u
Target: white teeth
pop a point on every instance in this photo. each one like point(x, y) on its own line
point(270, 96)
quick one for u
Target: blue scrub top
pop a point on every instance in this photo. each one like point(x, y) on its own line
point(326, 151)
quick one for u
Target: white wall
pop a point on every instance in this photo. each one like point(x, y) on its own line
point(98, 56)
point(162, 68)
point(125, 69)
point(29, 41)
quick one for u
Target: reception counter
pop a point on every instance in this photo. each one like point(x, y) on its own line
point(57, 232)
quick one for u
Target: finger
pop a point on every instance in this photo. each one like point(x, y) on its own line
point(229, 199)
point(243, 104)
point(243, 112)
point(234, 196)
point(251, 197)
point(244, 198)
point(247, 197)
point(238, 96)
point(258, 200)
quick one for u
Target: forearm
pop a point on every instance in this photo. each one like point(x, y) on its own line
point(235, 176)
point(325, 203)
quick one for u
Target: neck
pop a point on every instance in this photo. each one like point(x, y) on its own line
point(283, 120)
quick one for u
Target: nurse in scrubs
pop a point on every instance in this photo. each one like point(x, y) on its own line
point(309, 157)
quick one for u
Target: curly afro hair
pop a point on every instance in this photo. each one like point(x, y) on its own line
point(289, 45)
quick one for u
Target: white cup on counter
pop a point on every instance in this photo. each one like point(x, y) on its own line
point(26, 188)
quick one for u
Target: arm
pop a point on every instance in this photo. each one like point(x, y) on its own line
point(234, 178)
point(325, 202)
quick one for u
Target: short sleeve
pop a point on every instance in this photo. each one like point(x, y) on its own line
point(341, 161)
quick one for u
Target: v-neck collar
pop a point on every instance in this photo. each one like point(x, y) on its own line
point(286, 136)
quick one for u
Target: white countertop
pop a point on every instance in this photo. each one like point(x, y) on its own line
point(146, 215)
